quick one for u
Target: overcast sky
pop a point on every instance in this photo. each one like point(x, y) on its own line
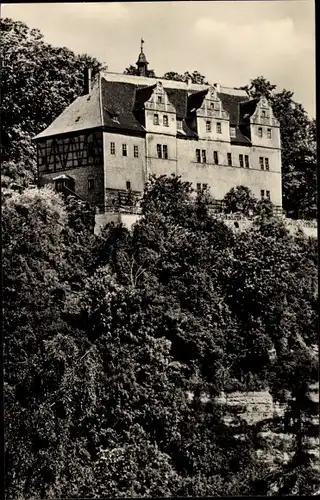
point(229, 42)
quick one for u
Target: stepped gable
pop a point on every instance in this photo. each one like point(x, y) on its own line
point(115, 98)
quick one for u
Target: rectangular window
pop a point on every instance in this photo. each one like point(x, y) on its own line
point(198, 157)
point(263, 113)
point(155, 119)
point(165, 121)
point(269, 133)
point(165, 151)
point(159, 151)
point(112, 148)
point(208, 126)
point(212, 105)
point(261, 163)
point(241, 160)
point(219, 130)
point(262, 194)
point(90, 184)
point(124, 150)
point(215, 157)
point(246, 159)
point(268, 195)
point(267, 163)
point(198, 186)
point(128, 184)
point(204, 156)
point(229, 157)
point(260, 131)
point(204, 186)
point(232, 131)
point(135, 151)
point(159, 99)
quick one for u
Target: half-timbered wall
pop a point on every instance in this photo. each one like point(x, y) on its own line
point(62, 153)
point(80, 157)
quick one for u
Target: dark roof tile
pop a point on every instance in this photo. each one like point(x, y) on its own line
point(178, 98)
point(240, 137)
point(231, 104)
point(196, 99)
point(118, 100)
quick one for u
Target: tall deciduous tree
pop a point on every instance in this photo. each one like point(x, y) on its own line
point(298, 141)
point(38, 82)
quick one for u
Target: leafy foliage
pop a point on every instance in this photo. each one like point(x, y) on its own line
point(38, 82)
point(133, 70)
point(116, 346)
point(194, 77)
point(298, 142)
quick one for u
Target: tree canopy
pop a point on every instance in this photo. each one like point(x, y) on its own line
point(298, 142)
point(38, 82)
point(116, 347)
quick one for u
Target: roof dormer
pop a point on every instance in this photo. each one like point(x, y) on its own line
point(263, 113)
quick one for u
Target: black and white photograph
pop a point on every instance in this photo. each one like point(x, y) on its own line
point(159, 249)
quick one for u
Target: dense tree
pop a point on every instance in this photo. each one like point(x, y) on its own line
point(194, 77)
point(298, 141)
point(38, 82)
point(133, 70)
point(116, 347)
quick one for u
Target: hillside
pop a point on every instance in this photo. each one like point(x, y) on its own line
point(130, 356)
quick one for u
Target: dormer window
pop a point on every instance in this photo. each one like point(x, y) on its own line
point(263, 113)
point(232, 131)
point(212, 106)
point(159, 99)
point(208, 126)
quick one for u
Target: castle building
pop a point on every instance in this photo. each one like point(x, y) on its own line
point(107, 143)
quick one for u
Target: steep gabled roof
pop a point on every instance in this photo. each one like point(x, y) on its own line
point(179, 99)
point(112, 104)
point(84, 113)
point(196, 99)
point(231, 104)
point(241, 137)
point(117, 101)
point(142, 95)
point(247, 109)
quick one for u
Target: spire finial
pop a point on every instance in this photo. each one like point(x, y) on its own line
point(142, 42)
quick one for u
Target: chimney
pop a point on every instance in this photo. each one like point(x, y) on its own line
point(87, 81)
